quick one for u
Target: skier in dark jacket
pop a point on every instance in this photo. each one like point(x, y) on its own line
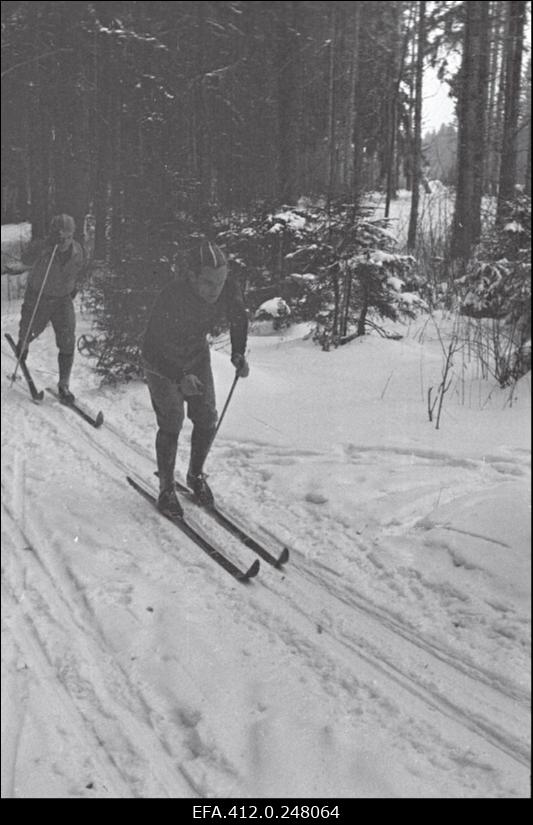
point(56, 265)
point(178, 365)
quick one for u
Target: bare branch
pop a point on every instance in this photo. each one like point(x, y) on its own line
point(34, 60)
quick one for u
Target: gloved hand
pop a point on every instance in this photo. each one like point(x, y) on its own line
point(191, 385)
point(241, 365)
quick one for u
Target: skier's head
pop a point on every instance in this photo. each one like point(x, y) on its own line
point(207, 269)
point(62, 228)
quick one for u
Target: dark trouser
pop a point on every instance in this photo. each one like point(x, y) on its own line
point(60, 313)
point(169, 406)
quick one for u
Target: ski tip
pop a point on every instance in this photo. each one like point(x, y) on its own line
point(284, 557)
point(132, 483)
point(252, 571)
point(99, 420)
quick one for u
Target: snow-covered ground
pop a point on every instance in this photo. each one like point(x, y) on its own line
point(434, 215)
point(390, 658)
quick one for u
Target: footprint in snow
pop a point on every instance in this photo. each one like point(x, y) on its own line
point(316, 498)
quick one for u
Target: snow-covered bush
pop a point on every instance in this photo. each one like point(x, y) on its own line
point(365, 279)
point(497, 286)
point(260, 248)
point(118, 299)
point(277, 311)
point(334, 265)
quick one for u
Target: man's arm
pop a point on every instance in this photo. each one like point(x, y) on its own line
point(237, 316)
point(83, 266)
point(32, 252)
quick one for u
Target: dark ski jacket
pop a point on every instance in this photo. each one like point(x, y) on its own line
point(176, 336)
point(65, 272)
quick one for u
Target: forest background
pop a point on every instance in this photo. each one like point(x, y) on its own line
point(271, 126)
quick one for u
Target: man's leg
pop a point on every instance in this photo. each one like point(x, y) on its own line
point(203, 413)
point(166, 448)
point(64, 324)
point(40, 320)
point(167, 402)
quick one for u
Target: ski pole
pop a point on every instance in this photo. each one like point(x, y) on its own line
point(228, 399)
point(38, 301)
point(226, 405)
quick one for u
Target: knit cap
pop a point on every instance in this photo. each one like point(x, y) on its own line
point(64, 223)
point(212, 259)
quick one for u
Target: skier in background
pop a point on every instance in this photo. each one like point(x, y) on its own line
point(56, 265)
point(177, 362)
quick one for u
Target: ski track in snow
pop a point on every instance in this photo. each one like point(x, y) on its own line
point(69, 601)
point(341, 541)
point(357, 542)
point(132, 733)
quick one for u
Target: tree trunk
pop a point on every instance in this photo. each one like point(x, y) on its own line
point(417, 142)
point(287, 46)
point(102, 115)
point(516, 10)
point(354, 137)
point(491, 160)
point(391, 154)
point(527, 187)
point(472, 114)
point(527, 126)
point(73, 155)
point(116, 188)
point(499, 11)
point(200, 133)
point(398, 63)
point(332, 137)
point(39, 172)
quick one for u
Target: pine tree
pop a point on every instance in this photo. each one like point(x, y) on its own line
point(472, 117)
point(516, 13)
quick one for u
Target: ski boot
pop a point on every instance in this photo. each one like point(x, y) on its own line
point(65, 395)
point(201, 489)
point(168, 504)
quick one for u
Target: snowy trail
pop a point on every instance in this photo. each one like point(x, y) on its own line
point(346, 591)
point(417, 677)
point(59, 611)
point(166, 678)
point(425, 672)
point(405, 596)
point(91, 685)
point(319, 574)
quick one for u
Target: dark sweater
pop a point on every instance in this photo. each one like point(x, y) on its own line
point(64, 273)
point(176, 336)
